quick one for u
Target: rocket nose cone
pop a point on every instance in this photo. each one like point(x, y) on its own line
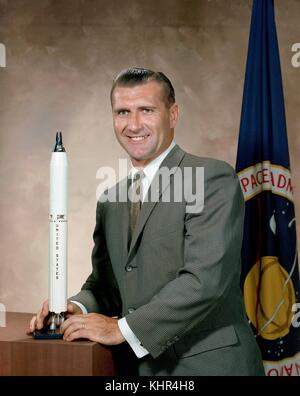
point(58, 138)
point(59, 143)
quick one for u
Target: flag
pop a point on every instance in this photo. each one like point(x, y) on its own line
point(270, 275)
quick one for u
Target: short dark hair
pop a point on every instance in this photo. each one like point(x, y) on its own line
point(137, 76)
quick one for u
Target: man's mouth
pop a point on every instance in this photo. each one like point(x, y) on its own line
point(138, 138)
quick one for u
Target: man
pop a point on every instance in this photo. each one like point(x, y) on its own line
point(172, 278)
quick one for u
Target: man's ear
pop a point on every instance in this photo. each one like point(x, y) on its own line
point(173, 111)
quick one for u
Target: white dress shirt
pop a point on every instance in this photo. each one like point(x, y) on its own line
point(149, 171)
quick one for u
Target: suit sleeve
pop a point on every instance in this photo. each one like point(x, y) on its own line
point(212, 245)
point(100, 292)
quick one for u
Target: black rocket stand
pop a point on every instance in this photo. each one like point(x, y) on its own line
point(51, 330)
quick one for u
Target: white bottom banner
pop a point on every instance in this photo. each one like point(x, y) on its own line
point(283, 368)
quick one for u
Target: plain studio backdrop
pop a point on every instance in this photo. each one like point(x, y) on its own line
point(61, 57)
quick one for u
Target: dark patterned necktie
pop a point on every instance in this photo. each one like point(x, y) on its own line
point(136, 200)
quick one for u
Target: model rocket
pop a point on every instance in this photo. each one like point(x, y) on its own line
point(58, 234)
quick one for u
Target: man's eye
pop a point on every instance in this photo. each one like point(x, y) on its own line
point(146, 110)
point(122, 112)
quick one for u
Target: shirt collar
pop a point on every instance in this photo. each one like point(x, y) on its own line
point(153, 166)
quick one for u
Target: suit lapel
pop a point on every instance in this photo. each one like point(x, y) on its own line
point(171, 162)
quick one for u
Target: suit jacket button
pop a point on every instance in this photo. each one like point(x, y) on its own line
point(130, 310)
point(129, 268)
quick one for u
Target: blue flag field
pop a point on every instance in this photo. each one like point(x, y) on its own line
point(270, 275)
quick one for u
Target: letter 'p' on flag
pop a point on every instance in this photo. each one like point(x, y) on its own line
point(270, 276)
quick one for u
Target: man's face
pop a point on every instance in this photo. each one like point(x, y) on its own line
point(143, 124)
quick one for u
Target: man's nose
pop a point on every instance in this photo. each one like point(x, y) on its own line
point(134, 122)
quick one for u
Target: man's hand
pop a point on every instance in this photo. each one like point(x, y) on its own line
point(40, 320)
point(94, 327)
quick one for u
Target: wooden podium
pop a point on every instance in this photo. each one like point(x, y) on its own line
point(22, 355)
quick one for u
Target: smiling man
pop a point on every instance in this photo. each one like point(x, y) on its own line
point(144, 118)
point(170, 276)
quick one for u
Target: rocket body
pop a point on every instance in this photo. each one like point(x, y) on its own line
point(58, 229)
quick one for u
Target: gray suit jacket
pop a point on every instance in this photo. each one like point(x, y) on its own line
point(177, 283)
